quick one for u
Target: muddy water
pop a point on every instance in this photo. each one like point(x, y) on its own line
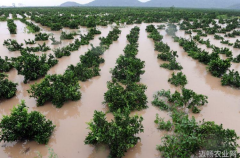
point(68, 137)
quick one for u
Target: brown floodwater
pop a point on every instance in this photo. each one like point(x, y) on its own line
point(71, 128)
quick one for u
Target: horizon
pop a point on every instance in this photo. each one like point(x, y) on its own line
point(44, 2)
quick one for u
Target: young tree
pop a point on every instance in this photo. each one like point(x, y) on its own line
point(188, 99)
point(119, 134)
point(32, 67)
point(6, 64)
point(12, 27)
point(56, 88)
point(7, 88)
point(218, 67)
point(179, 79)
point(119, 97)
point(21, 125)
point(128, 69)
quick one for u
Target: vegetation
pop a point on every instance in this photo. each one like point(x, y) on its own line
point(92, 57)
point(32, 28)
point(188, 32)
point(131, 50)
point(172, 65)
point(168, 56)
point(39, 48)
point(30, 41)
point(12, 45)
point(188, 99)
point(65, 35)
point(51, 154)
point(150, 28)
point(66, 51)
point(88, 66)
point(41, 37)
point(190, 136)
point(90, 36)
point(82, 72)
point(119, 134)
point(57, 89)
point(231, 79)
point(160, 27)
point(218, 67)
point(21, 125)
point(32, 67)
point(155, 35)
point(54, 41)
point(237, 44)
point(132, 96)
point(162, 125)
point(178, 80)
point(56, 27)
point(236, 59)
point(161, 47)
point(7, 88)
point(124, 94)
point(128, 69)
point(218, 37)
point(112, 36)
point(60, 52)
point(12, 27)
point(134, 35)
point(223, 51)
point(6, 64)
point(226, 42)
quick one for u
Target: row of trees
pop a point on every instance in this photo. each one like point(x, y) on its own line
point(33, 67)
point(187, 135)
point(120, 133)
point(190, 136)
point(84, 40)
point(166, 54)
point(123, 96)
point(12, 27)
point(215, 65)
point(21, 125)
point(229, 30)
point(55, 88)
point(32, 28)
point(210, 26)
point(56, 18)
point(60, 88)
point(8, 88)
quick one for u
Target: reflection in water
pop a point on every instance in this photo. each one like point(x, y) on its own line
point(68, 137)
point(135, 151)
point(99, 150)
point(25, 149)
point(70, 109)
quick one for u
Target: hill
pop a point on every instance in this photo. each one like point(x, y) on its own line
point(236, 6)
point(191, 3)
point(115, 3)
point(162, 3)
point(70, 4)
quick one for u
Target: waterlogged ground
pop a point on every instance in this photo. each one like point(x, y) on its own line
point(68, 137)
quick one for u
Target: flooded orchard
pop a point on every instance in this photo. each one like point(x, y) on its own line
point(71, 130)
